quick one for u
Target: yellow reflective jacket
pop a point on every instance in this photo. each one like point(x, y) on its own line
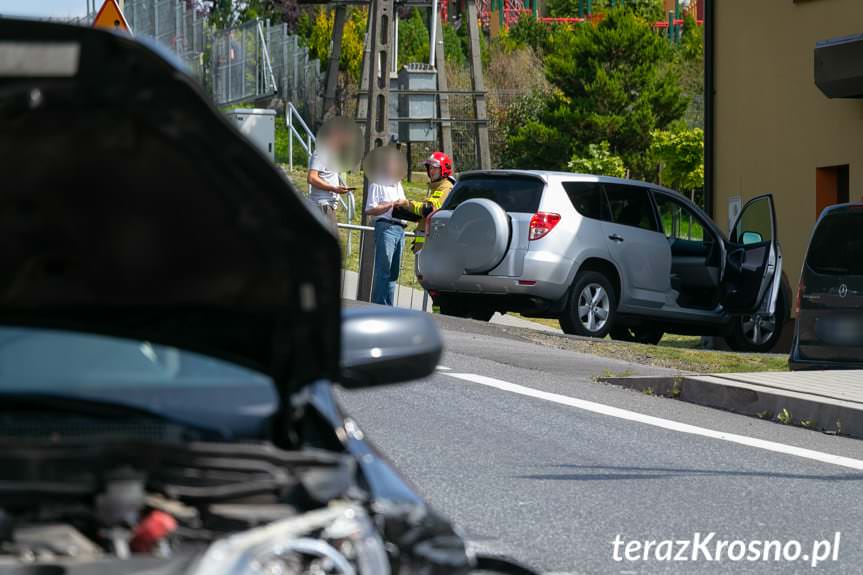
point(435, 197)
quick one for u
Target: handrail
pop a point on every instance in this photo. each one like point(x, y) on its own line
point(267, 62)
point(369, 229)
point(360, 228)
point(290, 113)
point(296, 112)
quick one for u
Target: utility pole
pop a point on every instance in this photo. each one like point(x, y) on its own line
point(483, 153)
point(377, 64)
point(443, 96)
point(335, 56)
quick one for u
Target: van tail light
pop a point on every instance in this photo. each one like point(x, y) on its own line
point(801, 289)
point(541, 223)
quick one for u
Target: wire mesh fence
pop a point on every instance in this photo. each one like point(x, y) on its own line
point(175, 24)
point(246, 62)
point(299, 77)
point(239, 67)
point(256, 60)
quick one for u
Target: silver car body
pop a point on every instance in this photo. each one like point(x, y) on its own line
point(546, 268)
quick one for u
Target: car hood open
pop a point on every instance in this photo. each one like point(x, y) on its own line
point(130, 206)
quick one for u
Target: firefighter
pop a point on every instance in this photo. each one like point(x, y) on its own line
point(439, 171)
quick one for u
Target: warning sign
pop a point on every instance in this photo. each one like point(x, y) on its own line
point(110, 17)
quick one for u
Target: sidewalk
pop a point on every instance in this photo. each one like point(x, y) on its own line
point(405, 297)
point(413, 299)
point(830, 401)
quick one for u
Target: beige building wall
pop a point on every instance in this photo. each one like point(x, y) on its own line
point(773, 127)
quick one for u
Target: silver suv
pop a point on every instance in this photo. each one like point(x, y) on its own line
point(604, 256)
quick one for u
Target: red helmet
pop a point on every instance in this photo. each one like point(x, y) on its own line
point(442, 161)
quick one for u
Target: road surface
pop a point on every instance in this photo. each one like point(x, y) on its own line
point(532, 459)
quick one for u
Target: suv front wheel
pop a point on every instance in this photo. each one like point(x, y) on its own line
point(591, 306)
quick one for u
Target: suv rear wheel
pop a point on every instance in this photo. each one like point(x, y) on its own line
point(758, 334)
point(591, 307)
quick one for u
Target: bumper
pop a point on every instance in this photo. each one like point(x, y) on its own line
point(544, 275)
point(798, 363)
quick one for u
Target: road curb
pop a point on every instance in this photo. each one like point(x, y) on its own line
point(811, 411)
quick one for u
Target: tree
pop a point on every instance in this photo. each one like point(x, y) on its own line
point(617, 84)
point(537, 146)
point(689, 61)
point(692, 39)
point(321, 34)
point(285, 11)
point(353, 38)
point(598, 160)
point(527, 32)
point(413, 39)
point(227, 13)
point(680, 155)
point(222, 14)
point(317, 34)
point(650, 10)
point(453, 46)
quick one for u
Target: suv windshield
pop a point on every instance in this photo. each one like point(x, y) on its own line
point(837, 247)
point(518, 194)
point(163, 380)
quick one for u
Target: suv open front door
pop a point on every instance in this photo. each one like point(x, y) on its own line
point(753, 261)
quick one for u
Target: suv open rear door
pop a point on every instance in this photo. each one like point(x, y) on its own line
point(753, 261)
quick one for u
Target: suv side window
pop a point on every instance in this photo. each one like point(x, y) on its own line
point(588, 199)
point(631, 206)
point(678, 222)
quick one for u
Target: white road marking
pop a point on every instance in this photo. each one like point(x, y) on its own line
point(442, 368)
point(603, 409)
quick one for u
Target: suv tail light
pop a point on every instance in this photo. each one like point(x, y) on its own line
point(801, 289)
point(541, 223)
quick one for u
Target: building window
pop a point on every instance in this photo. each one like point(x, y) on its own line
point(831, 187)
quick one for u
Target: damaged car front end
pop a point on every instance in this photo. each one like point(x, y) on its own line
point(171, 331)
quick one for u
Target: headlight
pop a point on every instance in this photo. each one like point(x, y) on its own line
point(340, 539)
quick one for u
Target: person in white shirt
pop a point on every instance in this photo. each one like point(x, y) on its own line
point(383, 193)
point(336, 151)
point(326, 186)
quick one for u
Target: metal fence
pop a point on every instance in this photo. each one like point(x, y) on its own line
point(248, 62)
point(299, 77)
point(174, 24)
point(240, 66)
point(408, 293)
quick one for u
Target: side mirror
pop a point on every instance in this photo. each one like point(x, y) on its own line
point(382, 345)
point(751, 238)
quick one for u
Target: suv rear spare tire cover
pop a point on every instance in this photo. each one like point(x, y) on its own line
point(479, 230)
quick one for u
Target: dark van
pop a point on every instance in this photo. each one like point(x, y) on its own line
point(829, 331)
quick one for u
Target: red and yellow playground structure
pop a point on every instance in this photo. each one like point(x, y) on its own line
point(497, 15)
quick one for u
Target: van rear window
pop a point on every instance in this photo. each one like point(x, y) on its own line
point(520, 194)
point(837, 246)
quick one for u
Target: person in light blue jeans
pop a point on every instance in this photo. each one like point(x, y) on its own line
point(389, 243)
point(389, 232)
